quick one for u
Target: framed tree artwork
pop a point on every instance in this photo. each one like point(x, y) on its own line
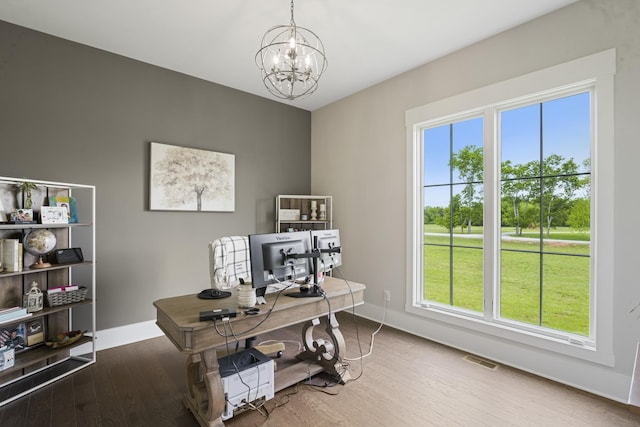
point(191, 179)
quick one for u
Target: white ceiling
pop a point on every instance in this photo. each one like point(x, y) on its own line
point(366, 41)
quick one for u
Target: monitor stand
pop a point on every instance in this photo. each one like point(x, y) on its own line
point(311, 291)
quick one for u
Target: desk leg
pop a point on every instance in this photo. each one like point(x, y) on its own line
point(206, 394)
point(326, 354)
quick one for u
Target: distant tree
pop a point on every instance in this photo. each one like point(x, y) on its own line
point(580, 215)
point(450, 215)
point(431, 213)
point(187, 175)
point(518, 189)
point(469, 164)
point(560, 182)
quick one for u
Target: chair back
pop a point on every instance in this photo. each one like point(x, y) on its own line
point(229, 262)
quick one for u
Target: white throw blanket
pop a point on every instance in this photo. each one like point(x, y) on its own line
point(229, 262)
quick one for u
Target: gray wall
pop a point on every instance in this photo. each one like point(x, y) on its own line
point(368, 179)
point(76, 114)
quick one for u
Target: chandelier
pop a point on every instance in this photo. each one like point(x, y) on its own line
point(291, 60)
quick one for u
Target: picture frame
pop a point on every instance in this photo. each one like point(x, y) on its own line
point(290, 214)
point(7, 358)
point(35, 332)
point(3, 213)
point(66, 202)
point(22, 216)
point(13, 336)
point(190, 179)
point(54, 215)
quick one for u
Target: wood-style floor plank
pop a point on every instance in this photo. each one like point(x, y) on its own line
point(407, 381)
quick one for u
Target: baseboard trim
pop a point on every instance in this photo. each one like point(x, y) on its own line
point(598, 380)
point(121, 335)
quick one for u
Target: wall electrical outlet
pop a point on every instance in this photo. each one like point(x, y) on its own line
point(387, 295)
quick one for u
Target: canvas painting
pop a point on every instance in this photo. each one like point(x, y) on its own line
point(190, 179)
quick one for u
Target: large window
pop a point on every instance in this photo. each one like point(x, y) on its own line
point(510, 206)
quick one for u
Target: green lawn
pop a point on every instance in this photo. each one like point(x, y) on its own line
point(565, 281)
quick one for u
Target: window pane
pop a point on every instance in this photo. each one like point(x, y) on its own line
point(467, 279)
point(437, 274)
point(566, 127)
point(467, 215)
point(520, 285)
point(437, 154)
point(520, 210)
point(520, 139)
point(545, 210)
point(565, 300)
point(453, 213)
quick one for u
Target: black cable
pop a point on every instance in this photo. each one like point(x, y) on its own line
point(263, 320)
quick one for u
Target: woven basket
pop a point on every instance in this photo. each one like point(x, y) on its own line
point(67, 297)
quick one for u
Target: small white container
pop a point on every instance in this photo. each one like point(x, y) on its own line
point(246, 295)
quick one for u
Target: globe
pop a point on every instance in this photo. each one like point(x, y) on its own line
point(39, 242)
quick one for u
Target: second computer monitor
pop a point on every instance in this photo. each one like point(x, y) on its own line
point(327, 242)
point(278, 257)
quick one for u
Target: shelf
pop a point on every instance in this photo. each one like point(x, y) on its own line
point(44, 313)
point(29, 270)
point(41, 353)
point(4, 226)
point(25, 384)
point(299, 221)
point(301, 205)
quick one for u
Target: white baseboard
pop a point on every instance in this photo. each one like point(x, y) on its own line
point(592, 378)
point(122, 335)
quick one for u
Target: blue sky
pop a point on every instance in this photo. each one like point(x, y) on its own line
point(566, 132)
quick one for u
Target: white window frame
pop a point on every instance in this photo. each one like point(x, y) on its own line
point(595, 72)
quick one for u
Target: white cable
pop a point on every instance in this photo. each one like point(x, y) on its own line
point(373, 334)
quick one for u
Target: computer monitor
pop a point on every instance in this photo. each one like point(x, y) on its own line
point(327, 244)
point(277, 257)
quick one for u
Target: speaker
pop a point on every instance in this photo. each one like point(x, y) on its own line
point(67, 256)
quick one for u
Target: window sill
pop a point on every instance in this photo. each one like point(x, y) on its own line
point(568, 346)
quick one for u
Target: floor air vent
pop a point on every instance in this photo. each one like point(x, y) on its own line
point(482, 362)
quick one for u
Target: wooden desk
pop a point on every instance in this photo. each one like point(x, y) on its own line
point(178, 318)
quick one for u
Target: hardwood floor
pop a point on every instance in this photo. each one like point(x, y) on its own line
point(407, 381)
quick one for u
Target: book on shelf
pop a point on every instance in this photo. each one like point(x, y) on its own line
point(14, 314)
point(9, 309)
point(11, 254)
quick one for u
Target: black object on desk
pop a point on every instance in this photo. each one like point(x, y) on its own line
point(213, 294)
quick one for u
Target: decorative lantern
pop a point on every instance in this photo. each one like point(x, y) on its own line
point(33, 300)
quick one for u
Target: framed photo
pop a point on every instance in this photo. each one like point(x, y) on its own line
point(13, 336)
point(190, 179)
point(22, 216)
point(7, 358)
point(290, 214)
point(54, 215)
point(3, 213)
point(34, 331)
point(66, 202)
